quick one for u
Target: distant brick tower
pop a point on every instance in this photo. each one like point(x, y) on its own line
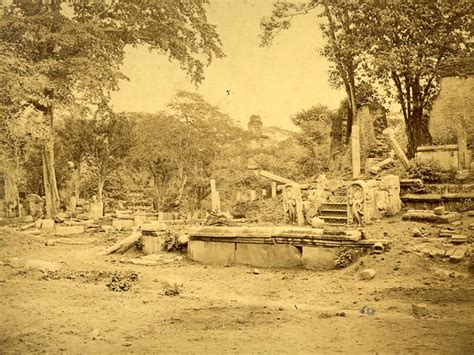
point(255, 125)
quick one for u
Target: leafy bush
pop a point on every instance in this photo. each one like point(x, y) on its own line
point(428, 171)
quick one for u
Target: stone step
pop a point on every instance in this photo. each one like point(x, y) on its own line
point(337, 211)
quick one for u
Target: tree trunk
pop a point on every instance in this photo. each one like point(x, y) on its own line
point(417, 130)
point(100, 189)
point(77, 182)
point(49, 175)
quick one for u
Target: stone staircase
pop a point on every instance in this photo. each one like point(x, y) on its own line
point(334, 210)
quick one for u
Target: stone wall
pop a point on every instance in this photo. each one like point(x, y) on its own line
point(453, 109)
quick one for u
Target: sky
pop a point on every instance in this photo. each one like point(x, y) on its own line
point(274, 82)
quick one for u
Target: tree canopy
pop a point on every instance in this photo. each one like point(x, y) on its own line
point(61, 56)
point(395, 45)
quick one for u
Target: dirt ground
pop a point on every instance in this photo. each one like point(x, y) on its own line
point(179, 306)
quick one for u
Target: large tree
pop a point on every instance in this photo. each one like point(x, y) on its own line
point(65, 53)
point(337, 20)
point(397, 45)
point(406, 42)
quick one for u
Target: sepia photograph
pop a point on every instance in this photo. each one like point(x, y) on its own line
point(236, 176)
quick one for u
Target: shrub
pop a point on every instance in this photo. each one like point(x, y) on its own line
point(428, 171)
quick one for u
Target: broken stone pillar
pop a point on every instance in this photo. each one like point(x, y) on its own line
point(264, 194)
point(396, 148)
point(72, 204)
point(355, 143)
point(214, 197)
point(253, 195)
point(464, 160)
point(274, 189)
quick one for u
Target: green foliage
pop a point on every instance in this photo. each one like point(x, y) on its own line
point(398, 45)
point(59, 56)
point(315, 137)
point(428, 171)
point(182, 147)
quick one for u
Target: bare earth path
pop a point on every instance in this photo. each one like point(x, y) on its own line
point(230, 309)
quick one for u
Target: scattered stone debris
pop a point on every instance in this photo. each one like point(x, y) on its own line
point(367, 274)
point(122, 283)
point(256, 271)
point(419, 310)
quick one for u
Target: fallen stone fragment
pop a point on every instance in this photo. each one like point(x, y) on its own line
point(367, 274)
point(471, 226)
point(317, 222)
point(445, 233)
point(470, 213)
point(430, 217)
point(456, 223)
point(439, 211)
point(95, 334)
point(378, 248)
point(144, 262)
point(458, 254)
point(458, 239)
point(50, 243)
point(28, 219)
point(417, 233)
point(433, 252)
point(256, 271)
point(419, 310)
point(107, 228)
point(69, 230)
point(47, 225)
point(17, 262)
point(41, 265)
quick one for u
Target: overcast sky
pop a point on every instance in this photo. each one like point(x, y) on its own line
point(273, 82)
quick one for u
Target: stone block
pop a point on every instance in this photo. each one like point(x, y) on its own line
point(440, 210)
point(47, 225)
point(139, 219)
point(458, 254)
point(318, 258)
point(41, 265)
point(267, 255)
point(458, 239)
point(69, 230)
point(153, 243)
point(96, 210)
point(367, 274)
point(211, 252)
point(123, 224)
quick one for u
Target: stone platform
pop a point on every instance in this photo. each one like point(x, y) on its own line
point(313, 248)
